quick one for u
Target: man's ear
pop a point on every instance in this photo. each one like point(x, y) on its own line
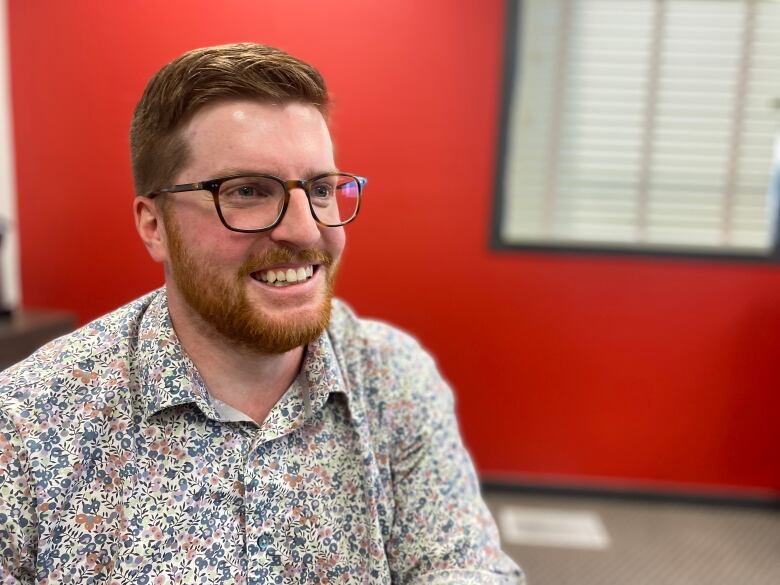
point(151, 228)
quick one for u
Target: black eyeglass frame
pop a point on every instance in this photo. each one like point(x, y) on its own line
point(213, 185)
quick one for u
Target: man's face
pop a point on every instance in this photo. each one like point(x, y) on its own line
point(218, 276)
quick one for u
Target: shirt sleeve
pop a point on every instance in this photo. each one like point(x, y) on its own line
point(17, 510)
point(442, 530)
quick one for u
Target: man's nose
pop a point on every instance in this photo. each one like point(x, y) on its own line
point(298, 227)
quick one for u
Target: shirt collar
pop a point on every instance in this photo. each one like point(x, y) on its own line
point(167, 377)
point(323, 373)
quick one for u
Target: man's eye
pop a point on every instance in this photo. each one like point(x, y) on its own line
point(247, 192)
point(322, 191)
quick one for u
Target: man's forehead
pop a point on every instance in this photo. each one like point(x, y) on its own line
point(262, 137)
point(257, 115)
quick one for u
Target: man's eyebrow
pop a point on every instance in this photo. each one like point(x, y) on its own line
point(242, 171)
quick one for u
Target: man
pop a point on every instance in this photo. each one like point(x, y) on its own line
point(238, 425)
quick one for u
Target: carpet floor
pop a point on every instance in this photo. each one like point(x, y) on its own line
point(590, 540)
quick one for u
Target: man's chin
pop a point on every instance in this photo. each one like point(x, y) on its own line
point(275, 334)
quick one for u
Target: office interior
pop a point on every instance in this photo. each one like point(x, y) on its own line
point(632, 397)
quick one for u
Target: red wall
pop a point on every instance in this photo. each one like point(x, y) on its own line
point(606, 370)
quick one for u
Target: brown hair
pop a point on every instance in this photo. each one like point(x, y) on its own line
point(203, 76)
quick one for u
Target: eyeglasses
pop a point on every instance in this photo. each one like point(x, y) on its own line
point(256, 203)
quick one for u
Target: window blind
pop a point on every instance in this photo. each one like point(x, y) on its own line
point(643, 124)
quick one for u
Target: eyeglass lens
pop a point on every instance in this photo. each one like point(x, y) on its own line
point(251, 203)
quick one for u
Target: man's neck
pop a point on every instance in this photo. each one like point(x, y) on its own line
point(247, 380)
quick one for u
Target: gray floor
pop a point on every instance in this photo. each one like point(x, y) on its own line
point(656, 543)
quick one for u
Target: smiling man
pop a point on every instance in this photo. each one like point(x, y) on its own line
point(240, 424)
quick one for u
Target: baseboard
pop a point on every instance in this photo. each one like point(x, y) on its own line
point(650, 492)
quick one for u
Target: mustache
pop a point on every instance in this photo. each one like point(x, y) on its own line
point(283, 256)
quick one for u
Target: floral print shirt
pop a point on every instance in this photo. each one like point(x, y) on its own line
point(116, 466)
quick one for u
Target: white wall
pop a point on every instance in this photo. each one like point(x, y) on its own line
point(9, 260)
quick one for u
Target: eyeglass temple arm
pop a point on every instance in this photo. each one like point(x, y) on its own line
point(178, 189)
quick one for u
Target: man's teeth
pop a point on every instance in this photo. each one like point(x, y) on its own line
point(286, 277)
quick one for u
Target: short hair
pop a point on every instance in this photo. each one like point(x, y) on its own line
point(205, 76)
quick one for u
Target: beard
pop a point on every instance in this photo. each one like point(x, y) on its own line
point(222, 302)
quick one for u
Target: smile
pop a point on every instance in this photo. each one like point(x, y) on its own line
point(285, 277)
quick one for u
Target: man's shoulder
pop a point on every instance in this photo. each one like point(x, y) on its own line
point(104, 341)
point(393, 381)
point(369, 336)
point(383, 363)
